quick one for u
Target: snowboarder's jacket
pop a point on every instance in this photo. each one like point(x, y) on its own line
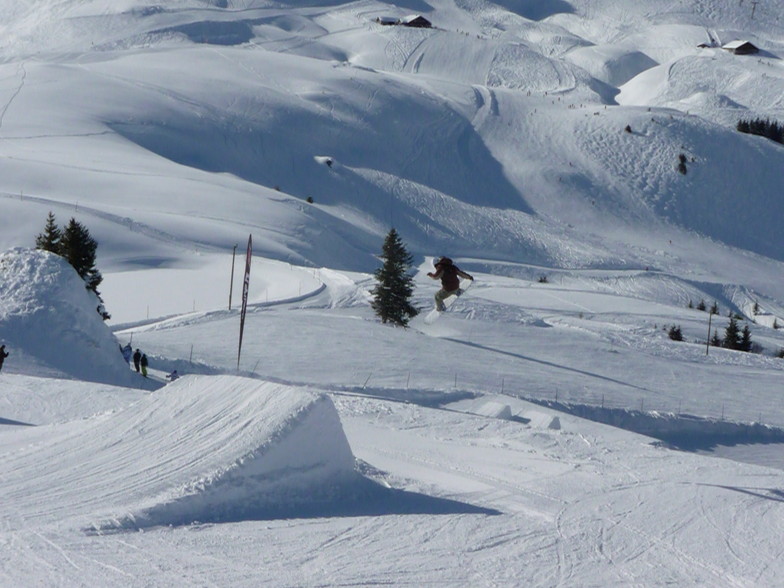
point(449, 274)
point(3, 355)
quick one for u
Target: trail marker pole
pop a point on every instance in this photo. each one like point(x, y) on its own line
point(231, 283)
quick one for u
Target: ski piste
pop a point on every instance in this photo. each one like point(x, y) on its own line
point(448, 302)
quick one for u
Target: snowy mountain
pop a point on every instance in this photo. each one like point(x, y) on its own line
point(579, 157)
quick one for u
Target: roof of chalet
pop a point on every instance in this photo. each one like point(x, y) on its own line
point(413, 17)
point(737, 44)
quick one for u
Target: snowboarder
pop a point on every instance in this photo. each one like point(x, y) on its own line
point(173, 376)
point(137, 357)
point(143, 364)
point(127, 353)
point(450, 275)
point(3, 355)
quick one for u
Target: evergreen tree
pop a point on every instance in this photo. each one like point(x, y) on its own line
point(732, 338)
point(715, 340)
point(49, 240)
point(745, 339)
point(675, 333)
point(701, 305)
point(392, 294)
point(78, 247)
point(715, 308)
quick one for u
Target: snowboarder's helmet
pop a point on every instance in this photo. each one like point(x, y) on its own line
point(436, 260)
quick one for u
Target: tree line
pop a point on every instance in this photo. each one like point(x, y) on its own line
point(762, 127)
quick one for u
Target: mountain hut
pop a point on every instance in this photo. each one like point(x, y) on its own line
point(417, 21)
point(741, 47)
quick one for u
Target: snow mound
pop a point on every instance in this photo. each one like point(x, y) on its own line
point(49, 322)
point(610, 64)
point(495, 410)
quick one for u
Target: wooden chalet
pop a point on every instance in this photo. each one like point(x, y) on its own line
point(741, 47)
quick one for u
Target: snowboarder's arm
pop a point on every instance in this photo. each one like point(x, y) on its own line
point(464, 275)
point(435, 275)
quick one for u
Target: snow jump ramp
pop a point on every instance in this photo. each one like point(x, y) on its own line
point(220, 449)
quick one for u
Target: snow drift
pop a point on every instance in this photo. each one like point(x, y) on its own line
point(49, 319)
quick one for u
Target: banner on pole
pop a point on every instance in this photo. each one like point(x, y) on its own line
point(245, 286)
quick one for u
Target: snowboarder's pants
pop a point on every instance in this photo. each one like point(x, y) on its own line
point(144, 371)
point(442, 295)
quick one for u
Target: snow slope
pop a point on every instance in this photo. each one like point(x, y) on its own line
point(531, 146)
point(343, 451)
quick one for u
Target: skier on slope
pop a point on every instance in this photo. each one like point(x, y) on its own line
point(450, 275)
point(3, 355)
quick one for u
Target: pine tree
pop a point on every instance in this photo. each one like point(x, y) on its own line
point(715, 308)
point(715, 340)
point(49, 240)
point(392, 294)
point(675, 333)
point(732, 338)
point(701, 305)
point(745, 339)
point(78, 247)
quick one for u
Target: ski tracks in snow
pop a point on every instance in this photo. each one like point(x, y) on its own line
point(22, 74)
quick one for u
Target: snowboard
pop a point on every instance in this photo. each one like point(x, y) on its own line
point(433, 315)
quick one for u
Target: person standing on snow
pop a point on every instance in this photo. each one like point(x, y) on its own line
point(137, 357)
point(143, 363)
point(3, 355)
point(450, 275)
